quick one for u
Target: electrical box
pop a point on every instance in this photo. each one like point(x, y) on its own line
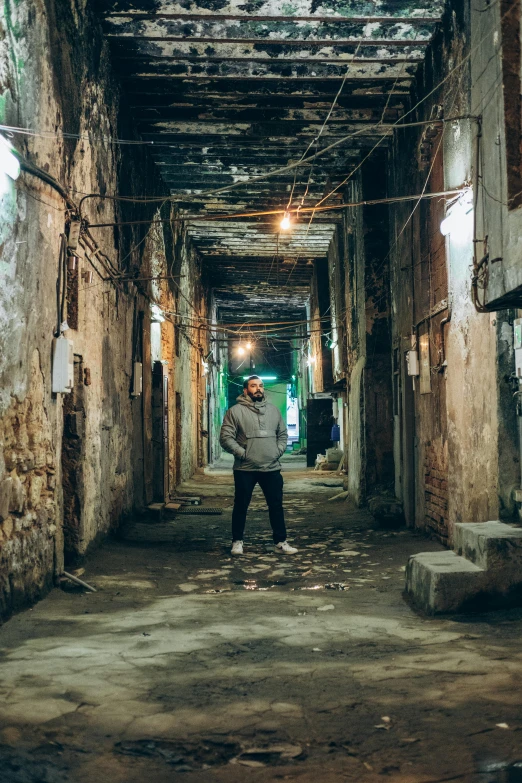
point(137, 379)
point(412, 363)
point(63, 366)
point(517, 345)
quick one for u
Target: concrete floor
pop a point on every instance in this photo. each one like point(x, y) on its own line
point(188, 663)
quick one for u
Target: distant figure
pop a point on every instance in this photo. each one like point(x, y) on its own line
point(255, 433)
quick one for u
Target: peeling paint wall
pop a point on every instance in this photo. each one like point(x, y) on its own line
point(46, 84)
point(456, 459)
point(55, 76)
point(190, 383)
point(369, 436)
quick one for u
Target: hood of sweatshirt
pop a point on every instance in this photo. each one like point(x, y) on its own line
point(258, 407)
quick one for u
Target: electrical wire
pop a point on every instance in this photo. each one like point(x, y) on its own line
point(265, 213)
point(459, 65)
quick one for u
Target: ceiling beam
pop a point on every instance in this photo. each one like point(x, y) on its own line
point(211, 50)
point(323, 90)
point(307, 9)
point(175, 68)
point(275, 27)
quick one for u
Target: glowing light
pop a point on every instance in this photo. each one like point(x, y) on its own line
point(248, 346)
point(240, 351)
point(205, 366)
point(459, 218)
point(310, 360)
point(263, 377)
point(9, 163)
point(285, 222)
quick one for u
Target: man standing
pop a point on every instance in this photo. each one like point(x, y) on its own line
point(255, 433)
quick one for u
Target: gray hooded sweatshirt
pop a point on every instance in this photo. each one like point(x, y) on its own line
point(255, 433)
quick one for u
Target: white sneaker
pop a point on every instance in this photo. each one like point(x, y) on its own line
point(285, 548)
point(237, 548)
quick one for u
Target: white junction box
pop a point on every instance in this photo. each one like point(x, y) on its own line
point(63, 366)
point(412, 362)
point(517, 345)
point(137, 379)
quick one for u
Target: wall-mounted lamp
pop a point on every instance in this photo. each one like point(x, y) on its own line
point(9, 163)
point(459, 218)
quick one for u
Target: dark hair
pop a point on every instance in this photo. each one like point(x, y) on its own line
point(250, 378)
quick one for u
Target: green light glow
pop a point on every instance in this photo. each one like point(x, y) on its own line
point(263, 377)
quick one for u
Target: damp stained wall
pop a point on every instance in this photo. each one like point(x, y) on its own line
point(55, 76)
point(369, 437)
point(450, 465)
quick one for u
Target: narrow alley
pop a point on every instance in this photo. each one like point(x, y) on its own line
point(271, 248)
point(257, 668)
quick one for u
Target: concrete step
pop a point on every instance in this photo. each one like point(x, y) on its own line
point(494, 546)
point(439, 582)
point(154, 512)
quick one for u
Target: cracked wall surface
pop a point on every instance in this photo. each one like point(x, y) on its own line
point(55, 76)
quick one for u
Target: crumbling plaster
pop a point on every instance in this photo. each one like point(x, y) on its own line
point(77, 99)
point(495, 97)
point(193, 345)
point(482, 468)
point(55, 76)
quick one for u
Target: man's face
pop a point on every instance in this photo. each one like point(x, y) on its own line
point(255, 390)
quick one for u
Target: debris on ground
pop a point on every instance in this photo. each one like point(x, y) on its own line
point(183, 756)
point(387, 510)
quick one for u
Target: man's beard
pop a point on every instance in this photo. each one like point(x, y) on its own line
point(256, 396)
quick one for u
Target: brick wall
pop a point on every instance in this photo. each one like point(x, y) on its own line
point(436, 490)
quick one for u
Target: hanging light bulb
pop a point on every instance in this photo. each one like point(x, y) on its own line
point(248, 346)
point(240, 351)
point(285, 222)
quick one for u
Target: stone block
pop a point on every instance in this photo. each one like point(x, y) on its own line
point(154, 512)
point(37, 484)
point(494, 546)
point(5, 497)
point(17, 496)
point(439, 582)
point(387, 510)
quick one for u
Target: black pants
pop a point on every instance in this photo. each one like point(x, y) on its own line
point(271, 482)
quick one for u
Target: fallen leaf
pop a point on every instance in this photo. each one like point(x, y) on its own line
point(326, 608)
point(502, 725)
